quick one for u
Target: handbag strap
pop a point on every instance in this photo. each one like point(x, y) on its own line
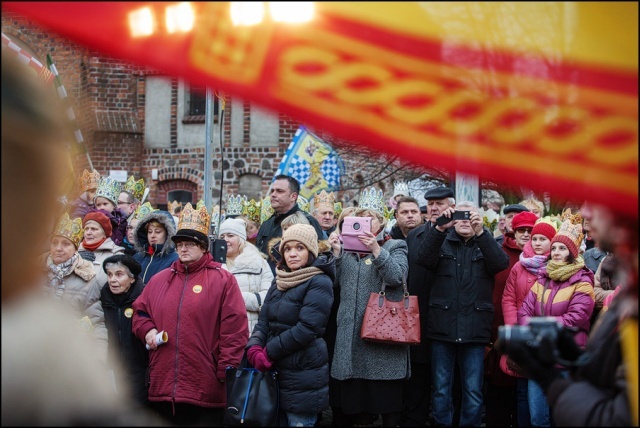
point(405, 292)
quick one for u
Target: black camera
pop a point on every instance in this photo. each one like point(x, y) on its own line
point(541, 336)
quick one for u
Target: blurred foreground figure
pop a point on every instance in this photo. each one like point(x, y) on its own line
point(50, 372)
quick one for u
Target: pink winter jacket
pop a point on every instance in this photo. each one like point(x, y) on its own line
point(202, 310)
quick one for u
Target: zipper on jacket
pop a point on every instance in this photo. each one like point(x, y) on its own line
point(147, 268)
point(175, 371)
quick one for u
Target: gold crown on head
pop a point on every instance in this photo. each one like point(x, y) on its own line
point(110, 189)
point(171, 206)
point(89, 180)
point(70, 229)
point(252, 210)
point(235, 204)
point(372, 199)
point(195, 219)
point(266, 210)
point(570, 228)
point(337, 208)
point(400, 188)
point(324, 198)
point(143, 210)
point(136, 188)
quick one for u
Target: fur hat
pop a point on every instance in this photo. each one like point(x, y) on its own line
point(236, 226)
point(544, 227)
point(128, 261)
point(101, 219)
point(524, 219)
point(304, 233)
point(570, 232)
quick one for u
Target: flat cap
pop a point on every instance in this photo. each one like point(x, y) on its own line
point(514, 208)
point(439, 193)
point(423, 209)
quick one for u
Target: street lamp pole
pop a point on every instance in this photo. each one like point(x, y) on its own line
point(208, 169)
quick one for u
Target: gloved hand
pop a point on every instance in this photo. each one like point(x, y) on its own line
point(542, 372)
point(87, 255)
point(258, 358)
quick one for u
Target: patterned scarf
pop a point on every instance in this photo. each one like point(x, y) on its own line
point(57, 273)
point(286, 280)
point(562, 271)
point(532, 262)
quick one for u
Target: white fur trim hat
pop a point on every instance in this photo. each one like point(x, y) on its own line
point(236, 226)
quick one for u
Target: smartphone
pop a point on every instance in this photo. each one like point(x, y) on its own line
point(352, 227)
point(457, 215)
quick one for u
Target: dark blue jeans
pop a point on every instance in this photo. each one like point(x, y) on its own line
point(522, 396)
point(471, 362)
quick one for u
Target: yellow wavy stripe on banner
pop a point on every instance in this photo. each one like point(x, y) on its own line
point(595, 32)
point(629, 335)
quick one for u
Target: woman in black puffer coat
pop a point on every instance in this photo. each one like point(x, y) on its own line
point(292, 322)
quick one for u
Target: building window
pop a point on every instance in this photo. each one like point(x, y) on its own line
point(197, 104)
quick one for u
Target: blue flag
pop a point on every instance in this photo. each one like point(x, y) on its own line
point(314, 163)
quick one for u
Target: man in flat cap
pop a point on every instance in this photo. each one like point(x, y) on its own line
point(510, 212)
point(417, 396)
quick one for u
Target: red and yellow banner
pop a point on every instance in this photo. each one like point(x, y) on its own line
point(541, 94)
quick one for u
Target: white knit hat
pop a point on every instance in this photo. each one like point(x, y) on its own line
point(304, 233)
point(236, 226)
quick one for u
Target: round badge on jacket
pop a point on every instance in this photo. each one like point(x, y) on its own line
point(197, 288)
point(128, 312)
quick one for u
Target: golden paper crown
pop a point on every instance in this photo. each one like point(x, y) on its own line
point(171, 206)
point(235, 205)
point(266, 210)
point(373, 199)
point(324, 198)
point(400, 188)
point(196, 219)
point(303, 203)
point(89, 180)
point(136, 188)
point(110, 189)
point(337, 208)
point(70, 229)
point(252, 210)
point(570, 230)
point(143, 210)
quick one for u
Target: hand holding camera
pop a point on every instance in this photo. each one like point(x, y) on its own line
point(445, 221)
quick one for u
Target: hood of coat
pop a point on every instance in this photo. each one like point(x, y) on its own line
point(326, 262)
point(165, 219)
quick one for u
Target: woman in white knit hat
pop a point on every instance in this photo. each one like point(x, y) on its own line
point(248, 265)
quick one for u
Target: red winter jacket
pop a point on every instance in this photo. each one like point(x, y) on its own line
point(202, 310)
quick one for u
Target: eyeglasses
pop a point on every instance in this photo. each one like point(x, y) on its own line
point(186, 244)
point(123, 203)
point(524, 230)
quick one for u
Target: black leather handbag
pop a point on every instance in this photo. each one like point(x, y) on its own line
point(253, 397)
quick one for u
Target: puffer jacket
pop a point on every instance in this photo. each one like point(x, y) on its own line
point(460, 308)
point(358, 277)
point(254, 279)
point(571, 302)
point(201, 309)
point(291, 326)
point(154, 258)
point(107, 249)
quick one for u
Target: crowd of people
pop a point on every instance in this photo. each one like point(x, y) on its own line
point(154, 321)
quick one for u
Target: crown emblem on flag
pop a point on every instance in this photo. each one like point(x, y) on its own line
point(252, 210)
point(400, 188)
point(235, 205)
point(324, 198)
point(70, 229)
point(195, 219)
point(372, 199)
point(136, 188)
point(89, 180)
point(110, 189)
point(266, 210)
point(143, 210)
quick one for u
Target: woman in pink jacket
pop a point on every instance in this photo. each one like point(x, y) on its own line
point(532, 264)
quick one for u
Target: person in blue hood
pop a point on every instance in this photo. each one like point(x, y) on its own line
point(155, 250)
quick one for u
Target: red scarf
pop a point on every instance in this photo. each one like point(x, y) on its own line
point(93, 247)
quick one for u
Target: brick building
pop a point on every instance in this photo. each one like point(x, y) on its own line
point(152, 126)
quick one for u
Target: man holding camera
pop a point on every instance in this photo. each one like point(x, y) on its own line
point(464, 257)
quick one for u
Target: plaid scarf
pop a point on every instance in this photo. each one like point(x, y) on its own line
point(532, 262)
point(57, 273)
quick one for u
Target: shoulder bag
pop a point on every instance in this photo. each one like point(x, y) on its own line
point(390, 322)
point(253, 397)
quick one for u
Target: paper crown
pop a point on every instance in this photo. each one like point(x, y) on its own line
point(266, 210)
point(143, 210)
point(570, 231)
point(195, 219)
point(337, 209)
point(171, 206)
point(324, 198)
point(89, 180)
point(373, 199)
point(110, 189)
point(252, 210)
point(136, 188)
point(70, 229)
point(303, 203)
point(235, 205)
point(400, 188)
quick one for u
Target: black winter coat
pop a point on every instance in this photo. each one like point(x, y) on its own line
point(460, 306)
point(125, 348)
point(292, 324)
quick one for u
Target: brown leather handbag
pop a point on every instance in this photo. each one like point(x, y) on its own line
point(396, 323)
